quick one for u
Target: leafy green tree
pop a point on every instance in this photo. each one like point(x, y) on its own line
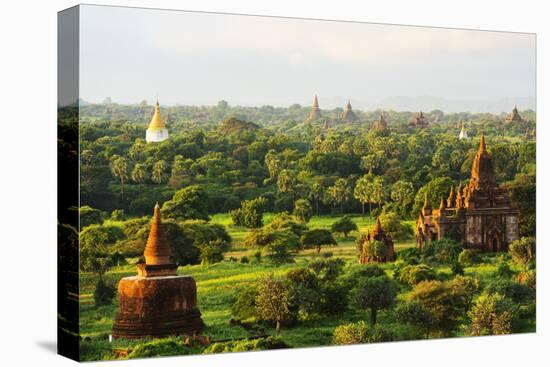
point(414, 274)
point(375, 294)
point(402, 193)
point(188, 203)
point(302, 210)
point(416, 314)
point(103, 293)
point(119, 169)
point(244, 305)
point(316, 238)
point(213, 251)
point(442, 301)
point(344, 225)
point(353, 333)
point(272, 163)
point(395, 227)
point(273, 301)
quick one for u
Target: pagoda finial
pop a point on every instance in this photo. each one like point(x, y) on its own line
point(315, 101)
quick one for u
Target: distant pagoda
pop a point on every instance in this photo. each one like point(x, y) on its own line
point(463, 134)
point(157, 131)
point(514, 116)
point(157, 302)
point(419, 121)
point(315, 112)
point(348, 114)
point(380, 124)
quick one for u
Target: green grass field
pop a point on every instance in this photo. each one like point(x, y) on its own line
point(217, 285)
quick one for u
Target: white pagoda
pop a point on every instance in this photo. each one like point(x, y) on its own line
point(157, 131)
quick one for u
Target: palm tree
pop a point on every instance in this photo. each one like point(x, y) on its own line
point(138, 174)
point(158, 171)
point(119, 169)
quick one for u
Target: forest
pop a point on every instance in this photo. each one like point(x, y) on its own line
point(261, 202)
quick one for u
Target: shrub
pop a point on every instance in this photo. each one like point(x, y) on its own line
point(492, 314)
point(468, 258)
point(316, 238)
point(118, 215)
point(360, 332)
point(410, 256)
point(278, 252)
point(416, 314)
point(89, 215)
point(518, 292)
point(529, 278)
point(103, 293)
point(414, 274)
point(457, 268)
point(353, 333)
point(246, 345)
point(250, 213)
point(442, 300)
point(444, 251)
point(244, 304)
point(213, 251)
point(98, 236)
point(344, 225)
point(327, 269)
point(160, 347)
point(244, 260)
point(395, 228)
point(523, 251)
point(503, 270)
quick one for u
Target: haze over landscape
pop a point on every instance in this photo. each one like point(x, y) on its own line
point(201, 58)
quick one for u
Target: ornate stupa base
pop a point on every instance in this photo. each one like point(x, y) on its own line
point(157, 307)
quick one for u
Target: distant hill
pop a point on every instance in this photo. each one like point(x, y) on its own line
point(232, 125)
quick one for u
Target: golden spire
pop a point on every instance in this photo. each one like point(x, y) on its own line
point(156, 122)
point(157, 251)
point(442, 204)
point(426, 202)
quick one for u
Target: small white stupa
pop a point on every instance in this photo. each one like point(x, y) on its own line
point(463, 134)
point(157, 128)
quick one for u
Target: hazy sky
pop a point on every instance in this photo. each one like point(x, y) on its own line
point(196, 58)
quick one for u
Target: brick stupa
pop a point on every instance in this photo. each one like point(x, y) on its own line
point(157, 302)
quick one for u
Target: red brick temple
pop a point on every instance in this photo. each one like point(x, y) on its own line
point(377, 234)
point(157, 302)
point(480, 215)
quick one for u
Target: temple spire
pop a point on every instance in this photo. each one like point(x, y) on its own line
point(157, 251)
point(482, 145)
point(442, 204)
point(451, 198)
point(377, 227)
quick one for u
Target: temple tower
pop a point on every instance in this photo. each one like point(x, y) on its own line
point(156, 132)
point(376, 234)
point(157, 302)
point(348, 114)
point(380, 124)
point(315, 112)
